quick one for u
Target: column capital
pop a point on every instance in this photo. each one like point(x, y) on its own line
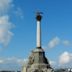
point(38, 16)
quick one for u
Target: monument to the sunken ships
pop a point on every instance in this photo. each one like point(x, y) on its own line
point(37, 61)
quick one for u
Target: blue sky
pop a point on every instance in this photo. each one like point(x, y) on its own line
point(18, 35)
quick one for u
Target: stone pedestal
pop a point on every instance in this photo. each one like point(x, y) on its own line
point(37, 62)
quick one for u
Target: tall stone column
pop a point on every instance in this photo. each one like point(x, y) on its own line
point(38, 18)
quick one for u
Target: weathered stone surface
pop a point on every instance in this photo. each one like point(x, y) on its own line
point(38, 62)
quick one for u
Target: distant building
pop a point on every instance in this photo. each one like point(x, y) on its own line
point(69, 69)
point(37, 61)
point(6, 71)
point(9, 71)
point(63, 70)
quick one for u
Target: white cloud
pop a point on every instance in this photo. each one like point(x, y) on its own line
point(1, 61)
point(66, 42)
point(55, 41)
point(11, 63)
point(22, 61)
point(5, 5)
point(13, 60)
point(18, 12)
point(65, 58)
point(5, 33)
point(52, 63)
point(5, 24)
